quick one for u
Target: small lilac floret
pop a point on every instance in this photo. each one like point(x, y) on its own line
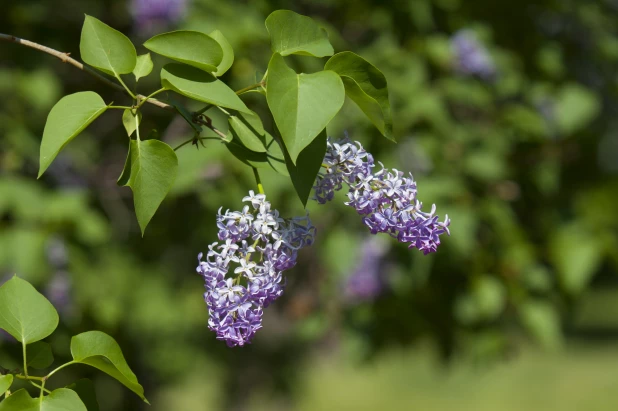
point(386, 199)
point(257, 245)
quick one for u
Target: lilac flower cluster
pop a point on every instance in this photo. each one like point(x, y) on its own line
point(258, 245)
point(367, 281)
point(471, 56)
point(386, 198)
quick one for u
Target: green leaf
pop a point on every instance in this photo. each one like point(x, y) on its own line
point(61, 399)
point(200, 86)
point(106, 48)
point(186, 114)
point(302, 104)
point(190, 47)
point(101, 351)
point(307, 166)
point(273, 156)
point(293, 33)
point(150, 171)
point(25, 313)
point(249, 129)
point(143, 66)
point(85, 390)
point(69, 117)
point(576, 106)
point(128, 120)
point(39, 355)
point(366, 86)
point(228, 53)
point(5, 382)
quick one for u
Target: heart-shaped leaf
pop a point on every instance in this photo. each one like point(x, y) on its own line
point(25, 313)
point(200, 86)
point(39, 355)
point(85, 390)
point(366, 86)
point(249, 129)
point(128, 120)
point(99, 350)
point(143, 67)
point(5, 383)
point(190, 47)
point(61, 399)
point(293, 33)
point(302, 104)
point(69, 117)
point(106, 48)
point(150, 171)
point(228, 53)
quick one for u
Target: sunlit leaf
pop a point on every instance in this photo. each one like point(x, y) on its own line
point(5, 383)
point(190, 47)
point(61, 399)
point(293, 33)
point(143, 67)
point(106, 48)
point(228, 53)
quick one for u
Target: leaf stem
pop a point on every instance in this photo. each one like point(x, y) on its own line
point(128, 90)
point(251, 87)
point(42, 392)
point(40, 387)
point(28, 377)
point(23, 346)
point(197, 139)
point(121, 107)
point(59, 368)
point(258, 181)
point(137, 127)
point(148, 97)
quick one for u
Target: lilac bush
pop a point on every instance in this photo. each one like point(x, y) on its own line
point(258, 245)
point(385, 198)
point(472, 58)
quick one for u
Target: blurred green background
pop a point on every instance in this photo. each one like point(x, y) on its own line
point(517, 310)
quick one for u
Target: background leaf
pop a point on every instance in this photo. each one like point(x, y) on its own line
point(302, 104)
point(366, 86)
point(39, 355)
point(106, 48)
point(101, 351)
point(5, 383)
point(150, 171)
point(69, 117)
point(228, 53)
point(143, 66)
point(128, 120)
point(25, 313)
point(190, 47)
point(200, 86)
point(293, 33)
point(86, 392)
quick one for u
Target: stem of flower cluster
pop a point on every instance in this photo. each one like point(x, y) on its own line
point(258, 181)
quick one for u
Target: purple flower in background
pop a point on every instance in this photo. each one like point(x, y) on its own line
point(472, 58)
point(58, 289)
point(386, 198)
point(256, 247)
point(366, 281)
point(152, 15)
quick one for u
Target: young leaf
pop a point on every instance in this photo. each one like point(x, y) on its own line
point(366, 86)
point(128, 120)
point(69, 117)
point(292, 33)
point(106, 48)
point(249, 130)
point(85, 390)
point(190, 47)
point(200, 86)
point(302, 104)
point(60, 399)
point(26, 314)
point(39, 355)
point(101, 351)
point(5, 383)
point(272, 156)
point(150, 171)
point(143, 66)
point(307, 166)
point(228, 53)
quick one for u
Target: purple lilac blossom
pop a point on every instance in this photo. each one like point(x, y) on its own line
point(152, 15)
point(472, 58)
point(366, 281)
point(256, 246)
point(385, 198)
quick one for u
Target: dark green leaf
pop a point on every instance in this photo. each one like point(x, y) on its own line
point(106, 48)
point(190, 47)
point(101, 351)
point(366, 86)
point(128, 120)
point(228, 53)
point(302, 104)
point(39, 355)
point(5, 383)
point(292, 33)
point(143, 67)
point(249, 129)
point(25, 313)
point(150, 171)
point(186, 114)
point(69, 117)
point(200, 86)
point(61, 399)
point(85, 390)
